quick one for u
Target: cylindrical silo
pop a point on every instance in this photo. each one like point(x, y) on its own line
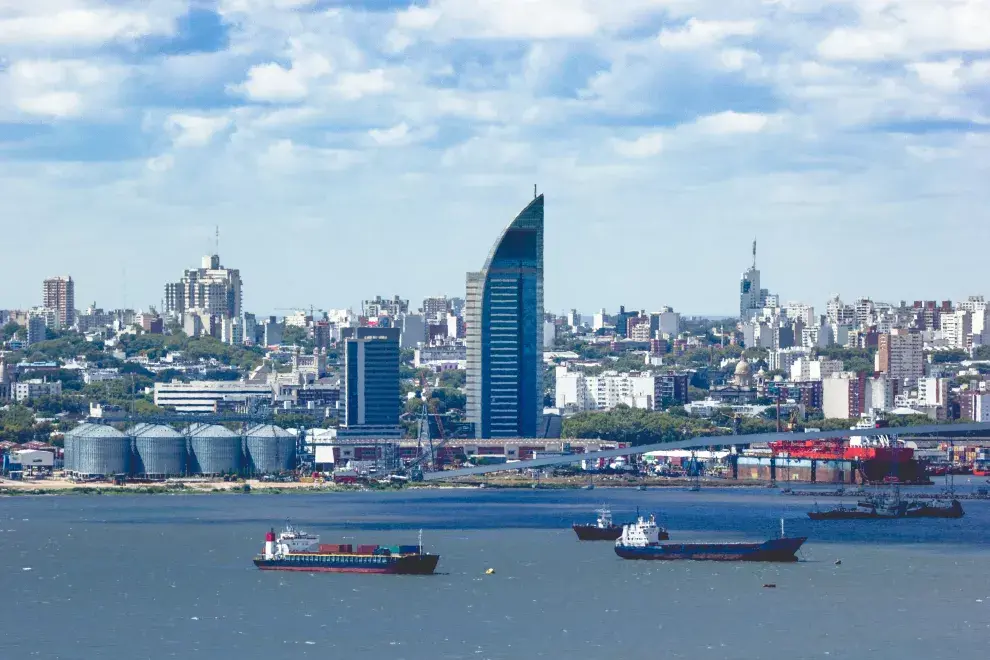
point(70, 447)
point(214, 450)
point(101, 451)
point(159, 451)
point(269, 449)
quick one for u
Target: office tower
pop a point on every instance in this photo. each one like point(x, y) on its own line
point(504, 317)
point(371, 376)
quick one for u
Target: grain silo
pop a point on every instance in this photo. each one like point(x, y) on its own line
point(214, 450)
point(100, 451)
point(159, 451)
point(69, 456)
point(269, 449)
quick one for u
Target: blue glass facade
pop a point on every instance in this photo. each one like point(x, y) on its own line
point(504, 316)
point(371, 376)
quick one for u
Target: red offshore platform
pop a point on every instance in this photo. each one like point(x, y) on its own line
point(881, 462)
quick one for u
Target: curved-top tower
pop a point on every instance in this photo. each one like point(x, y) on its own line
point(504, 317)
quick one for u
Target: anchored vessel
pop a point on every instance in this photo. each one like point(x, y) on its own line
point(604, 529)
point(295, 550)
point(890, 507)
point(641, 540)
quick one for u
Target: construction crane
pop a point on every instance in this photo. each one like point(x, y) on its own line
point(426, 451)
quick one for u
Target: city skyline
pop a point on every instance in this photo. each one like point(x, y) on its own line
point(845, 136)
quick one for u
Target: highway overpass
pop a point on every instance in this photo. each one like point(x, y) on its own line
point(707, 441)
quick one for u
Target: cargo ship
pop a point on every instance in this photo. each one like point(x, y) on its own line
point(604, 529)
point(641, 540)
point(295, 550)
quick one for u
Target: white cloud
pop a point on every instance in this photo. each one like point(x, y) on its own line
point(732, 123)
point(273, 83)
point(909, 28)
point(57, 88)
point(352, 86)
point(701, 34)
point(81, 26)
point(400, 135)
point(194, 130)
point(645, 146)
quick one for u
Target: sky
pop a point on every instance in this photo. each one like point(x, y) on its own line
point(353, 148)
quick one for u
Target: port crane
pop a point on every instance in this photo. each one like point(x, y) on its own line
point(426, 450)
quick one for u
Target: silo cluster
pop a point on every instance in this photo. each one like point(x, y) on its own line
point(157, 451)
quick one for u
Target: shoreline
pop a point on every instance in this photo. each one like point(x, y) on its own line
point(58, 486)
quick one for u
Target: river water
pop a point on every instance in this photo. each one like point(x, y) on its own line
point(171, 577)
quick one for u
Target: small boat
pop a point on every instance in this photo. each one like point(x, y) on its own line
point(641, 540)
point(603, 529)
point(926, 510)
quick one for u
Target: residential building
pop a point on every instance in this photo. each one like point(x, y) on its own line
point(435, 309)
point(413, 331)
point(666, 322)
point(210, 289)
point(577, 391)
point(974, 406)
point(796, 311)
point(272, 332)
point(806, 369)
point(206, 396)
point(371, 377)
point(600, 320)
point(59, 294)
point(850, 396)
point(957, 328)
point(36, 329)
point(441, 356)
point(639, 328)
point(783, 358)
point(26, 390)
point(573, 320)
point(504, 317)
point(807, 393)
point(900, 355)
point(933, 392)
point(100, 375)
point(549, 334)
point(378, 307)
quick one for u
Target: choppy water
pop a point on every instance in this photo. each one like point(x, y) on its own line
point(171, 576)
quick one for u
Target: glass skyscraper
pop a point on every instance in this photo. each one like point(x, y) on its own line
point(371, 377)
point(504, 317)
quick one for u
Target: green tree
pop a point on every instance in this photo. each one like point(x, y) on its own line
point(981, 352)
point(954, 355)
point(9, 331)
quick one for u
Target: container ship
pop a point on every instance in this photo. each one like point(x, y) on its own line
point(604, 529)
point(641, 540)
point(295, 550)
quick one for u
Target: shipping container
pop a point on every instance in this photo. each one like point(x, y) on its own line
point(408, 549)
point(366, 549)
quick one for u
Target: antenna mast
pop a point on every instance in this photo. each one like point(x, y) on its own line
point(216, 246)
point(754, 254)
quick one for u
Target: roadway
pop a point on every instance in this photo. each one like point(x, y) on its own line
point(703, 442)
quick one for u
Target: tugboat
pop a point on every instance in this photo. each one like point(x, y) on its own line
point(295, 550)
point(641, 540)
point(603, 529)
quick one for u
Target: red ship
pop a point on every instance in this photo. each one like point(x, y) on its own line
point(882, 462)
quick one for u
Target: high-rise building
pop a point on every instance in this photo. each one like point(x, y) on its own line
point(413, 330)
point(900, 355)
point(210, 289)
point(504, 317)
point(752, 298)
point(371, 376)
point(60, 295)
point(957, 328)
point(393, 308)
point(435, 309)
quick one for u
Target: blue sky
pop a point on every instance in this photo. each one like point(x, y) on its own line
point(347, 149)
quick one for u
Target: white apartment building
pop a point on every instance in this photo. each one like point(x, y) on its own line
point(805, 369)
point(207, 396)
point(796, 311)
point(845, 396)
point(577, 391)
point(933, 392)
point(600, 320)
point(957, 328)
point(783, 358)
point(32, 389)
point(210, 289)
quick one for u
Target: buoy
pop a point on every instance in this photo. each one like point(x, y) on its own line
point(490, 571)
point(838, 562)
point(770, 586)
